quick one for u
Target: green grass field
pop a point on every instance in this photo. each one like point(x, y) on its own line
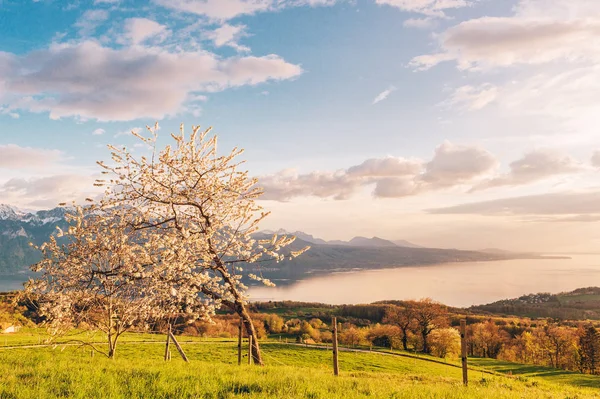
point(291, 372)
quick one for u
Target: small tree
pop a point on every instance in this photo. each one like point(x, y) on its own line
point(429, 315)
point(190, 195)
point(351, 336)
point(445, 342)
point(385, 336)
point(589, 349)
point(488, 338)
point(98, 276)
point(559, 342)
point(403, 317)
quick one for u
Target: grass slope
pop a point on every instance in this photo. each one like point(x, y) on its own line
point(292, 372)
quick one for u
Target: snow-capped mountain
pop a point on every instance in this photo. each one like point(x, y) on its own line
point(8, 212)
point(20, 227)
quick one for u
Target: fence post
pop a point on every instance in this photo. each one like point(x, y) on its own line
point(463, 350)
point(336, 368)
point(250, 349)
point(167, 344)
point(179, 348)
point(240, 342)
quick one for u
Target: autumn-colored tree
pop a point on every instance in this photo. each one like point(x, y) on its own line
point(559, 342)
point(403, 317)
point(525, 347)
point(385, 336)
point(429, 316)
point(445, 342)
point(351, 336)
point(190, 194)
point(307, 330)
point(589, 350)
point(488, 339)
point(273, 323)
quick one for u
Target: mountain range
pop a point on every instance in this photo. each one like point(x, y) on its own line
point(354, 242)
point(19, 228)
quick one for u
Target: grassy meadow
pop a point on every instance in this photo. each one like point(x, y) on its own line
point(64, 371)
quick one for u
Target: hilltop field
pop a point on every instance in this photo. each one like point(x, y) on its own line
point(292, 371)
point(509, 357)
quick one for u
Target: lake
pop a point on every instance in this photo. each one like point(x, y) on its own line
point(454, 284)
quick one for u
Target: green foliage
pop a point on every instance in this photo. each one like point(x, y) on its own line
point(291, 372)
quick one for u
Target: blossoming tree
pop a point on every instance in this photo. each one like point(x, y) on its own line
point(205, 206)
point(104, 274)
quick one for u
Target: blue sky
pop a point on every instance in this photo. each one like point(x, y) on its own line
point(367, 117)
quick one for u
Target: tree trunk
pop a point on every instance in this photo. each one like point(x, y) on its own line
point(112, 348)
point(251, 331)
point(239, 307)
point(404, 339)
point(425, 346)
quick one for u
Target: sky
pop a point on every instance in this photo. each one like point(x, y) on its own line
point(449, 123)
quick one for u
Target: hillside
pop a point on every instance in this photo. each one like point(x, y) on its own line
point(291, 372)
point(580, 304)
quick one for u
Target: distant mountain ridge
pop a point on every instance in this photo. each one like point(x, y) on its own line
point(355, 242)
point(19, 228)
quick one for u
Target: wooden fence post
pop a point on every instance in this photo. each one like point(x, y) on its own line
point(167, 344)
point(250, 349)
point(463, 350)
point(179, 348)
point(336, 368)
point(240, 342)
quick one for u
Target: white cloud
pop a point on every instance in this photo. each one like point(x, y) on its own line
point(454, 165)
point(223, 10)
point(420, 23)
point(288, 184)
point(16, 157)
point(540, 31)
point(384, 94)
point(48, 191)
point(228, 35)
point(434, 8)
point(127, 83)
point(138, 30)
point(218, 9)
point(96, 2)
point(90, 20)
point(548, 52)
point(128, 132)
point(570, 93)
point(98, 132)
point(391, 177)
point(473, 98)
point(395, 187)
point(569, 203)
point(386, 167)
point(534, 166)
